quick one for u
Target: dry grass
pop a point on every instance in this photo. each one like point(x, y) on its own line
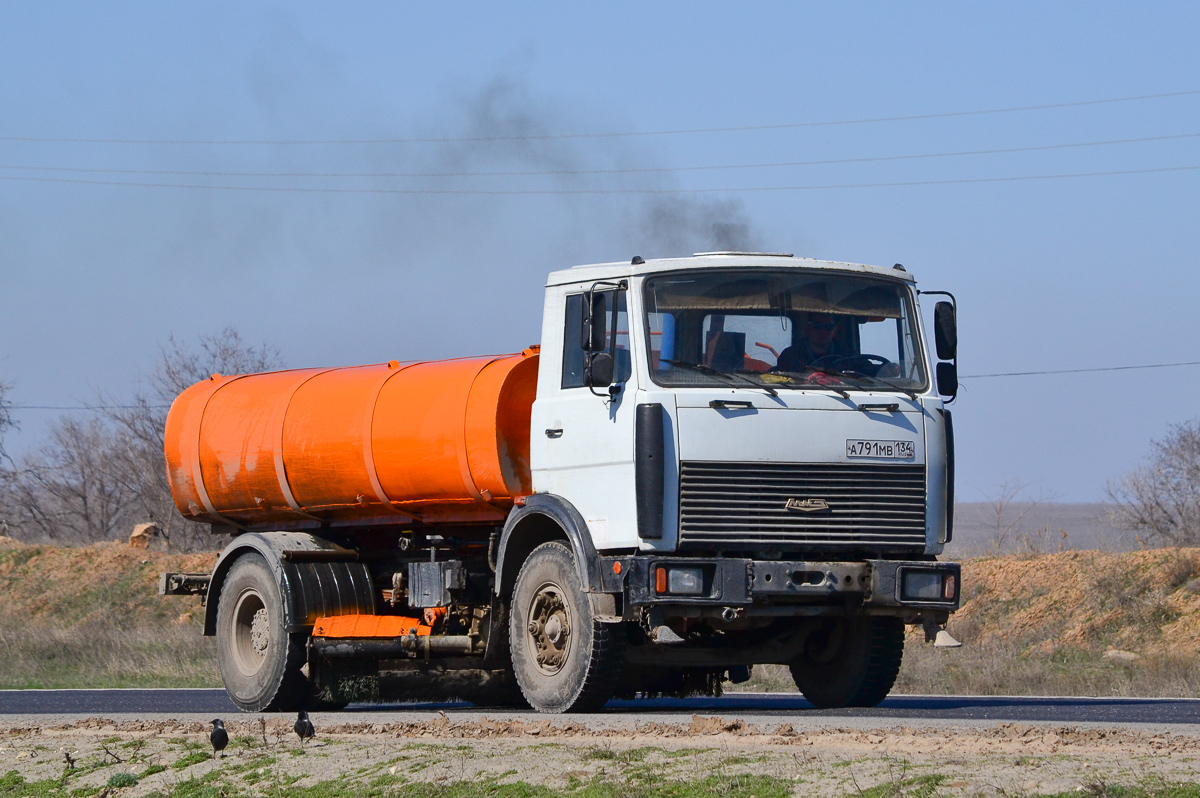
point(91, 617)
point(64, 658)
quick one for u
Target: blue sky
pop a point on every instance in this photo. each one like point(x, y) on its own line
point(1050, 274)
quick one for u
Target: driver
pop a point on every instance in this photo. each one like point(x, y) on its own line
point(820, 330)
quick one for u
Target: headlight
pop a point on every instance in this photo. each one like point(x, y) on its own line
point(688, 581)
point(679, 580)
point(921, 586)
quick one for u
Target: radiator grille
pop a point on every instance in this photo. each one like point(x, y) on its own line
point(745, 504)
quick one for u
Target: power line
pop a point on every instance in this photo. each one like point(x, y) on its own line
point(97, 408)
point(638, 170)
point(567, 192)
point(1080, 371)
point(964, 377)
point(645, 133)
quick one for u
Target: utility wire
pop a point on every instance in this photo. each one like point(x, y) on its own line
point(559, 136)
point(1080, 371)
point(98, 408)
point(565, 192)
point(965, 377)
point(640, 170)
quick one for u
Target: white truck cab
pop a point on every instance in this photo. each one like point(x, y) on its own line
point(861, 429)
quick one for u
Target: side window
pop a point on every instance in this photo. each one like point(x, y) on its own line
point(573, 354)
point(574, 357)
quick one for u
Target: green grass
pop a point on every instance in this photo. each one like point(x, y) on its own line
point(260, 781)
point(194, 758)
point(917, 787)
point(723, 786)
point(122, 780)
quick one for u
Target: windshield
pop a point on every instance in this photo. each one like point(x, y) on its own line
point(782, 330)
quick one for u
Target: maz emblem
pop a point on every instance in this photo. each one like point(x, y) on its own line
point(806, 505)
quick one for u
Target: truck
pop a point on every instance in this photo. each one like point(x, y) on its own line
point(706, 464)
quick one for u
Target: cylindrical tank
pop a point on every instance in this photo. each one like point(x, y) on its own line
point(440, 442)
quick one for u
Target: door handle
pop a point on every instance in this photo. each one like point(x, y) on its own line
point(730, 404)
point(554, 433)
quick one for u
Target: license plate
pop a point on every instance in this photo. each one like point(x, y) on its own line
point(885, 450)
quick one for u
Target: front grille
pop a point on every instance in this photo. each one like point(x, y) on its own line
point(739, 505)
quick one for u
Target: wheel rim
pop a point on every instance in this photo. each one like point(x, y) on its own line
point(251, 632)
point(548, 628)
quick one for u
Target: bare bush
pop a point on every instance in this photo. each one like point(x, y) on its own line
point(1161, 499)
point(6, 423)
point(6, 419)
point(1006, 523)
point(68, 490)
point(139, 461)
point(93, 481)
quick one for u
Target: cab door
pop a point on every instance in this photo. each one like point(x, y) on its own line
point(582, 438)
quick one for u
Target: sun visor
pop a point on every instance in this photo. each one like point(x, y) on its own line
point(838, 295)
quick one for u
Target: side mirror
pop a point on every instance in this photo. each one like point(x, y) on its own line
point(945, 331)
point(600, 370)
point(947, 379)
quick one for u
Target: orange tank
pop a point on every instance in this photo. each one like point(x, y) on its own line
point(439, 442)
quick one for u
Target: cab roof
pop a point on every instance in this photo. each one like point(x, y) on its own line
point(714, 260)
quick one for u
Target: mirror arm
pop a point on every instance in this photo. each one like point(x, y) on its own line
point(954, 302)
point(613, 388)
point(587, 321)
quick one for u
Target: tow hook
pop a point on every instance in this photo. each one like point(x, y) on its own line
point(730, 614)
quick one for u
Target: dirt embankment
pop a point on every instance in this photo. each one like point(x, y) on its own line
point(1145, 603)
point(1072, 623)
point(92, 617)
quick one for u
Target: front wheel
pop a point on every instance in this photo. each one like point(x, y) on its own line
point(260, 661)
point(850, 662)
point(564, 659)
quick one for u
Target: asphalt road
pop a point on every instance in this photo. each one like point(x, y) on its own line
point(762, 707)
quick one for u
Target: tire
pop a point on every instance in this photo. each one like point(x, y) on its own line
point(850, 662)
point(551, 618)
point(260, 661)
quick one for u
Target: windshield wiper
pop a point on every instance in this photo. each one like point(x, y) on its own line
point(911, 394)
point(831, 372)
point(728, 379)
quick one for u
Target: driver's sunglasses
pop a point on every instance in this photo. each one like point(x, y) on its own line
point(822, 325)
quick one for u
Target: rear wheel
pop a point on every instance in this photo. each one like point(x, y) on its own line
point(850, 662)
point(260, 661)
point(563, 659)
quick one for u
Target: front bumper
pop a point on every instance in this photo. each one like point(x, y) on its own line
point(781, 586)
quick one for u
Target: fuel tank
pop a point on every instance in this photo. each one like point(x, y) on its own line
point(437, 442)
